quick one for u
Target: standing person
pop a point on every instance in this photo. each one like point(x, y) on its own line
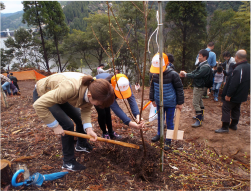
point(137, 87)
point(117, 71)
point(200, 76)
point(218, 79)
point(211, 61)
point(235, 92)
point(173, 95)
point(101, 70)
point(228, 65)
point(104, 115)
point(6, 84)
point(57, 99)
point(171, 60)
point(14, 80)
point(8, 74)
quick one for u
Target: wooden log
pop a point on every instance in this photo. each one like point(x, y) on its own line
point(6, 172)
point(3, 98)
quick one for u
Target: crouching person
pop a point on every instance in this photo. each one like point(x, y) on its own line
point(58, 99)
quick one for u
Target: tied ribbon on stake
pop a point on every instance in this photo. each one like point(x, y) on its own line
point(156, 31)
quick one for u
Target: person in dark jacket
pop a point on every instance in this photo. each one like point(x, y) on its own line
point(200, 75)
point(104, 114)
point(14, 80)
point(228, 65)
point(173, 95)
point(171, 60)
point(235, 92)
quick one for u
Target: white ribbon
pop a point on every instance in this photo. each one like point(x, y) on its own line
point(157, 31)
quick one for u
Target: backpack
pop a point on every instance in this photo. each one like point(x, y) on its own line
point(210, 79)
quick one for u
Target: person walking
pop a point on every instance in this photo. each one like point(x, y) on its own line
point(200, 76)
point(235, 92)
point(57, 101)
point(173, 95)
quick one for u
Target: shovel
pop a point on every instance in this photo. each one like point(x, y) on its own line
point(71, 133)
point(175, 134)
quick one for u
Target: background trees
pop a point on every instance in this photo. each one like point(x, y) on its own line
point(187, 23)
point(34, 12)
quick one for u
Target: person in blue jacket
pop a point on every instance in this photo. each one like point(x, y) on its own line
point(173, 95)
point(124, 91)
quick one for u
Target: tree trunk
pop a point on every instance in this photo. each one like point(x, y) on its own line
point(184, 51)
point(42, 38)
point(59, 61)
point(6, 173)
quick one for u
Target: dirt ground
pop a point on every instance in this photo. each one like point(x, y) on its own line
point(203, 160)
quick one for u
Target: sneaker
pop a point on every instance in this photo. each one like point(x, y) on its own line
point(205, 97)
point(86, 148)
point(215, 99)
point(106, 136)
point(73, 165)
point(114, 135)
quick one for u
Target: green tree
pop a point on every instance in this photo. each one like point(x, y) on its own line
point(76, 45)
point(34, 12)
point(22, 45)
point(100, 25)
point(74, 12)
point(128, 15)
point(2, 6)
point(55, 24)
point(187, 24)
point(3, 59)
point(221, 31)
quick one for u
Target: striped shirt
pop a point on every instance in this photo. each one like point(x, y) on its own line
point(4, 78)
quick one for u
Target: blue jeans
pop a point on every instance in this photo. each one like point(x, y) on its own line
point(6, 86)
point(216, 87)
point(169, 111)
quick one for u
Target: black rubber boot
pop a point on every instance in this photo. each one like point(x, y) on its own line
point(202, 111)
point(198, 122)
point(233, 124)
point(224, 128)
point(167, 145)
point(155, 138)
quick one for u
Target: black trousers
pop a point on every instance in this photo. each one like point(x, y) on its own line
point(15, 83)
point(104, 119)
point(63, 113)
point(230, 109)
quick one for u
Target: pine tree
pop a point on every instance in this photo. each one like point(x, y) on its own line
point(55, 24)
point(187, 25)
point(34, 15)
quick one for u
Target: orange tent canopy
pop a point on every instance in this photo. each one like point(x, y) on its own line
point(27, 75)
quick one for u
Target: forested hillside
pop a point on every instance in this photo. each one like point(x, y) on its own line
point(12, 21)
point(223, 5)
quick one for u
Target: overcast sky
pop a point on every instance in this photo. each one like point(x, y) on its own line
point(12, 6)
